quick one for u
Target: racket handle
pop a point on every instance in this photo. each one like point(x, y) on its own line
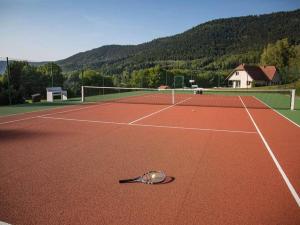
point(126, 181)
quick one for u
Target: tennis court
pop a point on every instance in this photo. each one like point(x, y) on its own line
point(232, 160)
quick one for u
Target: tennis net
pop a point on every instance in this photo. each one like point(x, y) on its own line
point(235, 98)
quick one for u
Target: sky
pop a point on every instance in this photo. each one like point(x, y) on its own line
point(44, 30)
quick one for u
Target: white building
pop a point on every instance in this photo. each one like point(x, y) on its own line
point(246, 76)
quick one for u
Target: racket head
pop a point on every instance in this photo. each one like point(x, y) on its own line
point(153, 177)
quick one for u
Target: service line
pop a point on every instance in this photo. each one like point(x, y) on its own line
point(149, 125)
point(163, 109)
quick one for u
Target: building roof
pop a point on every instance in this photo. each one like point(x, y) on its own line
point(262, 73)
point(270, 71)
point(163, 87)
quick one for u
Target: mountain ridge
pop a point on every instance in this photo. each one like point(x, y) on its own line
point(213, 39)
point(210, 40)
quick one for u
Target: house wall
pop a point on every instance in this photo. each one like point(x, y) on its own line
point(243, 77)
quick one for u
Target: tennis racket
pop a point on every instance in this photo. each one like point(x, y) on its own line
point(151, 177)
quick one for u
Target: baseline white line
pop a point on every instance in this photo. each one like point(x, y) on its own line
point(277, 112)
point(281, 171)
point(148, 125)
point(48, 114)
point(14, 121)
point(151, 114)
point(79, 120)
point(72, 110)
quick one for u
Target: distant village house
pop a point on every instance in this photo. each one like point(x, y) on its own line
point(246, 76)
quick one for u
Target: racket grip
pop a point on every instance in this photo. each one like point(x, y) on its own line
point(126, 181)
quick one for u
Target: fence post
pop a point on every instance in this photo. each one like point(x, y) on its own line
point(82, 93)
point(293, 93)
point(173, 97)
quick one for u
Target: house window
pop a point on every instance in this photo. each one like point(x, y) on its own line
point(249, 83)
point(236, 73)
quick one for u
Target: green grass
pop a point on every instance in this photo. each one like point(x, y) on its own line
point(31, 107)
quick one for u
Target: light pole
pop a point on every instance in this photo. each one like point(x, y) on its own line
point(8, 83)
point(52, 72)
point(102, 84)
point(166, 78)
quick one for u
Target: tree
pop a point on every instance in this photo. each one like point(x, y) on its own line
point(15, 81)
point(137, 78)
point(32, 81)
point(125, 78)
point(282, 55)
point(52, 73)
point(294, 63)
point(3, 92)
point(277, 54)
point(116, 80)
point(73, 83)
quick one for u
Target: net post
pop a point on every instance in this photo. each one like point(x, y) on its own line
point(173, 96)
point(293, 93)
point(82, 93)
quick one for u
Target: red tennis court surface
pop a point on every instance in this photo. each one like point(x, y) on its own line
point(231, 165)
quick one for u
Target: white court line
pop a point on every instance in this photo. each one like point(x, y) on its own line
point(277, 112)
point(73, 110)
point(151, 114)
point(284, 176)
point(79, 120)
point(33, 117)
point(14, 121)
point(148, 125)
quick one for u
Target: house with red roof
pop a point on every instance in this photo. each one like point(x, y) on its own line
point(163, 87)
point(247, 76)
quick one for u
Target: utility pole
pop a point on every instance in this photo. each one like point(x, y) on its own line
point(82, 88)
point(166, 78)
point(8, 83)
point(52, 72)
point(82, 71)
point(103, 84)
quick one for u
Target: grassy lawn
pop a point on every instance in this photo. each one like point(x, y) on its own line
point(31, 107)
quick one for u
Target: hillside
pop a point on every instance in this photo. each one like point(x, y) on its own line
point(208, 41)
